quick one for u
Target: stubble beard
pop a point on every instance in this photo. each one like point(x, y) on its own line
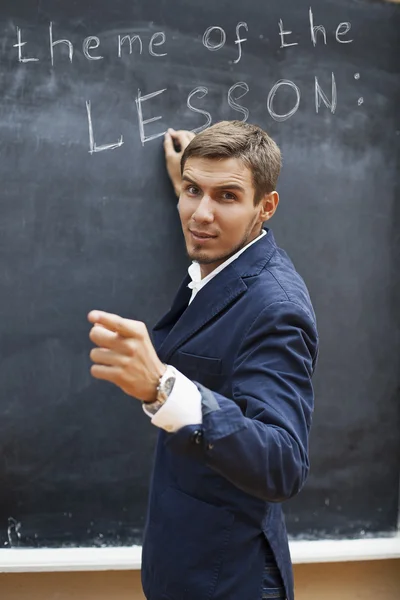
point(203, 259)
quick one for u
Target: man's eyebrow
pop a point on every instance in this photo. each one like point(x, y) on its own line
point(224, 186)
point(186, 178)
point(229, 186)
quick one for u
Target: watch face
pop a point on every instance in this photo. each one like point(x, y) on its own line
point(168, 385)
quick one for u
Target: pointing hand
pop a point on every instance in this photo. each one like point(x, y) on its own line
point(125, 355)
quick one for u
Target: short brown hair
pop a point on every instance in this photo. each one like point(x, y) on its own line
point(249, 143)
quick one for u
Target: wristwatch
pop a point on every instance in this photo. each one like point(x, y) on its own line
point(164, 388)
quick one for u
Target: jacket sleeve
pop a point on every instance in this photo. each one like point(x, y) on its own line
point(258, 439)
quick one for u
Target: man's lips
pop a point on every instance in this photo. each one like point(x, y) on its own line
point(201, 235)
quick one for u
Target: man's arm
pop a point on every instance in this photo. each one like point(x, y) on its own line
point(258, 440)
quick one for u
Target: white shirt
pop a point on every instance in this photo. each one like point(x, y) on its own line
point(183, 406)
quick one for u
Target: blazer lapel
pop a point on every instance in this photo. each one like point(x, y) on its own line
point(221, 291)
point(162, 328)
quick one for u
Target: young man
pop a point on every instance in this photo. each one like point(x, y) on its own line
point(228, 382)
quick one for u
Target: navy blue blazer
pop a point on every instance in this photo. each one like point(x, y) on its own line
point(249, 341)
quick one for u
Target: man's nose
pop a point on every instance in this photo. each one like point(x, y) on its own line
point(204, 211)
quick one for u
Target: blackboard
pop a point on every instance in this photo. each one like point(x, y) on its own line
point(88, 220)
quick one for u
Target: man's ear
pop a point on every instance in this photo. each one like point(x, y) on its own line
point(268, 205)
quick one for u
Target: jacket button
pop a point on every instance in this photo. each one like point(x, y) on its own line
point(197, 436)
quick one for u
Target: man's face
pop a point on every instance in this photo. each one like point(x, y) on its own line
point(217, 211)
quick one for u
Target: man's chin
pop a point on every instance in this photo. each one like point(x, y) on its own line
point(201, 257)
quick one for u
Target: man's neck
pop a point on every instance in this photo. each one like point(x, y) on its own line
point(207, 269)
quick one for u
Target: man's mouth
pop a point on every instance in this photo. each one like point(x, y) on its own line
point(201, 235)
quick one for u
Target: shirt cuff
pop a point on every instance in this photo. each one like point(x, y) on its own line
point(183, 406)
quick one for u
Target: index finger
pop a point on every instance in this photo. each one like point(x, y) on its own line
point(123, 327)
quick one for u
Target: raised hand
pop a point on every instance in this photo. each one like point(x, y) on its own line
point(175, 143)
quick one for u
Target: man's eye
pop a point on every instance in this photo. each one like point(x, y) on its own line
point(228, 196)
point(192, 190)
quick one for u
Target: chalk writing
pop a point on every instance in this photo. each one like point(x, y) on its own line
point(232, 101)
point(346, 27)
point(19, 46)
point(201, 91)
point(212, 45)
point(131, 40)
point(91, 43)
point(283, 92)
point(316, 29)
point(320, 95)
point(139, 101)
point(93, 146)
point(271, 96)
point(239, 40)
point(55, 43)
point(13, 532)
point(282, 34)
point(154, 37)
